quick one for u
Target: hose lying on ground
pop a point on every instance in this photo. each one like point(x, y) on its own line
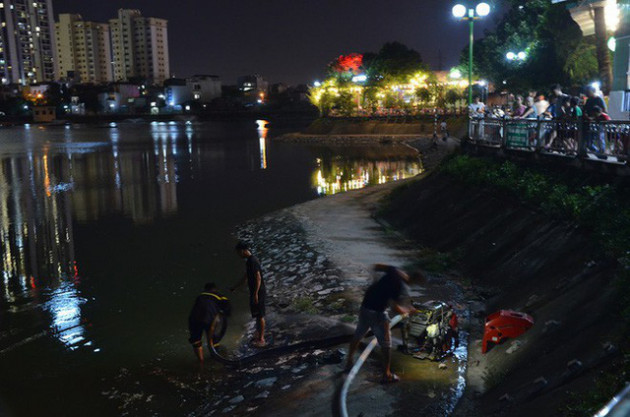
point(324, 343)
point(339, 407)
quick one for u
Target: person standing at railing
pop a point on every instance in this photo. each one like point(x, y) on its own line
point(592, 101)
point(530, 109)
point(575, 109)
point(560, 97)
point(599, 140)
point(541, 105)
point(476, 111)
point(477, 108)
point(519, 108)
point(548, 132)
point(565, 134)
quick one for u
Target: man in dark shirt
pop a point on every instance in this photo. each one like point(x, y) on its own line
point(257, 292)
point(207, 305)
point(389, 289)
point(560, 97)
point(593, 101)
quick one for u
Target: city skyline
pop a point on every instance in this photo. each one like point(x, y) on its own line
point(287, 42)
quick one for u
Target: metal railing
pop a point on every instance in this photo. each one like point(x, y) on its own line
point(607, 141)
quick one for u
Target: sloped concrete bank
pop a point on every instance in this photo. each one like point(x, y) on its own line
point(517, 257)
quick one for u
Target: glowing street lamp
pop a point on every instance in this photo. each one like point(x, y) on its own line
point(520, 56)
point(471, 14)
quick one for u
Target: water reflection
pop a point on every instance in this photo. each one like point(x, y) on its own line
point(262, 142)
point(46, 188)
point(345, 169)
point(64, 305)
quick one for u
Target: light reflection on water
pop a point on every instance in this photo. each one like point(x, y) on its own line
point(44, 192)
point(64, 306)
point(338, 173)
point(57, 184)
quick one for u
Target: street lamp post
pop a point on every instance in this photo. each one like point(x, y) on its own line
point(469, 13)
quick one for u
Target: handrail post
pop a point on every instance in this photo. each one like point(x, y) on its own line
point(582, 129)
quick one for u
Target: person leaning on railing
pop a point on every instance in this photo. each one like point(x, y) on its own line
point(477, 108)
point(599, 140)
point(575, 109)
point(530, 110)
point(476, 111)
point(592, 101)
point(565, 133)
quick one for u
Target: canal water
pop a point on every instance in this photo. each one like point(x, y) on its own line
point(109, 232)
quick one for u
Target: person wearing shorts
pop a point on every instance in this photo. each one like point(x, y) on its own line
point(391, 288)
point(257, 291)
point(207, 305)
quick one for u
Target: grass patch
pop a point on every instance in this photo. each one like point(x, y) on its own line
point(493, 377)
point(606, 386)
point(434, 261)
point(304, 304)
point(598, 205)
point(348, 319)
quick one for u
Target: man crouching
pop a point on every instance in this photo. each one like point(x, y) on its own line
point(207, 305)
point(390, 288)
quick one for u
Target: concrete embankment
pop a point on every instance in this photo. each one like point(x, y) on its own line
point(517, 257)
point(358, 131)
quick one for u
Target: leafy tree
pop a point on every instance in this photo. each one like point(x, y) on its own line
point(581, 64)
point(395, 62)
point(424, 95)
point(14, 106)
point(345, 67)
point(323, 99)
point(345, 103)
point(547, 34)
point(392, 100)
point(370, 98)
point(452, 96)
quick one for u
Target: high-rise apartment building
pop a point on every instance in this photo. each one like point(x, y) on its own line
point(140, 47)
point(83, 49)
point(27, 48)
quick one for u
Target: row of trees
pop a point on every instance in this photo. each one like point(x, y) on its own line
point(396, 77)
point(557, 52)
point(393, 78)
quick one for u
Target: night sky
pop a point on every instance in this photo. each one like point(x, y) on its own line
point(290, 41)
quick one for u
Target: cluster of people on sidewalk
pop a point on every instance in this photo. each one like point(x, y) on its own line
point(390, 290)
point(535, 106)
point(559, 120)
